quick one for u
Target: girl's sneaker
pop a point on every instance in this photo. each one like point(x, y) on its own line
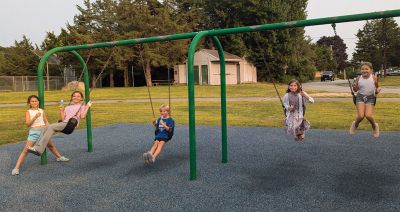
point(15, 172)
point(62, 159)
point(375, 132)
point(299, 138)
point(353, 128)
point(145, 158)
point(152, 159)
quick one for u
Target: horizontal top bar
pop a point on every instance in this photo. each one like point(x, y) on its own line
point(215, 32)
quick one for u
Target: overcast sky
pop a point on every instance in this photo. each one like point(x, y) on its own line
point(347, 31)
point(34, 18)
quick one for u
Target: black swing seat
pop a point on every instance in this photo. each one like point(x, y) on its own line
point(170, 133)
point(72, 123)
point(70, 127)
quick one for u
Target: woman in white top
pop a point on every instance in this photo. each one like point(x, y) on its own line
point(35, 119)
point(367, 88)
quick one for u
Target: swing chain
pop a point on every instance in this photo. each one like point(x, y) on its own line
point(334, 28)
point(141, 47)
point(269, 73)
point(81, 75)
point(104, 67)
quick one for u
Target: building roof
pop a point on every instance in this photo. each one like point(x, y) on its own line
point(228, 56)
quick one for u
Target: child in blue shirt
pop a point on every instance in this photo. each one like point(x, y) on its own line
point(164, 130)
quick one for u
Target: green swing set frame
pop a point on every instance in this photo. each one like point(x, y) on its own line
point(196, 37)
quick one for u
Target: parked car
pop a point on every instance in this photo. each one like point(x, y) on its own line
point(393, 72)
point(327, 75)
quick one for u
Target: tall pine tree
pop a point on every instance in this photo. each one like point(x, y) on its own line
point(379, 42)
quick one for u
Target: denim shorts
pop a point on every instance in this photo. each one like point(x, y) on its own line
point(371, 99)
point(162, 139)
point(34, 134)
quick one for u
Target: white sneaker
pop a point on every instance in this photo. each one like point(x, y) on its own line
point(15, 172)
point(62, 159)
point(152, 159)
point(145, 158)
point(353, 128)
point(375, 132)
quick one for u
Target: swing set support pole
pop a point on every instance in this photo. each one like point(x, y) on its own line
point(192, 116)
point(43, 158)
point(191, 97)
point(87, 99)
point(223, 99)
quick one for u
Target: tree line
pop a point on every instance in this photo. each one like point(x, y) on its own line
point(277, 54)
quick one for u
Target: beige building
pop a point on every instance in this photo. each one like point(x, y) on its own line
point(207, 69)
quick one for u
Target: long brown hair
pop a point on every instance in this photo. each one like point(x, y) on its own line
point(298, 85)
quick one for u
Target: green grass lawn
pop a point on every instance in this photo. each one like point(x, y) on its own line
point(322, 115)
point(389, 81)
point(177, 91)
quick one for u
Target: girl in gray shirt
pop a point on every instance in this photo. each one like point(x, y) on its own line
point(367, 88)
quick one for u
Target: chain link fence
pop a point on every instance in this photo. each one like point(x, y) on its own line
point(30, 83)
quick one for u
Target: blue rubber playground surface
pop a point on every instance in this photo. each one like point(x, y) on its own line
point(266, 171)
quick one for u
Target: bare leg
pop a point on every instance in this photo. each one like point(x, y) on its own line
point(154, 147)
point(159, 148)
point(368, 114)
point(23, 154)
point(45, 137)
point(360, 113)
point(53, 149)
point(154, 152)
